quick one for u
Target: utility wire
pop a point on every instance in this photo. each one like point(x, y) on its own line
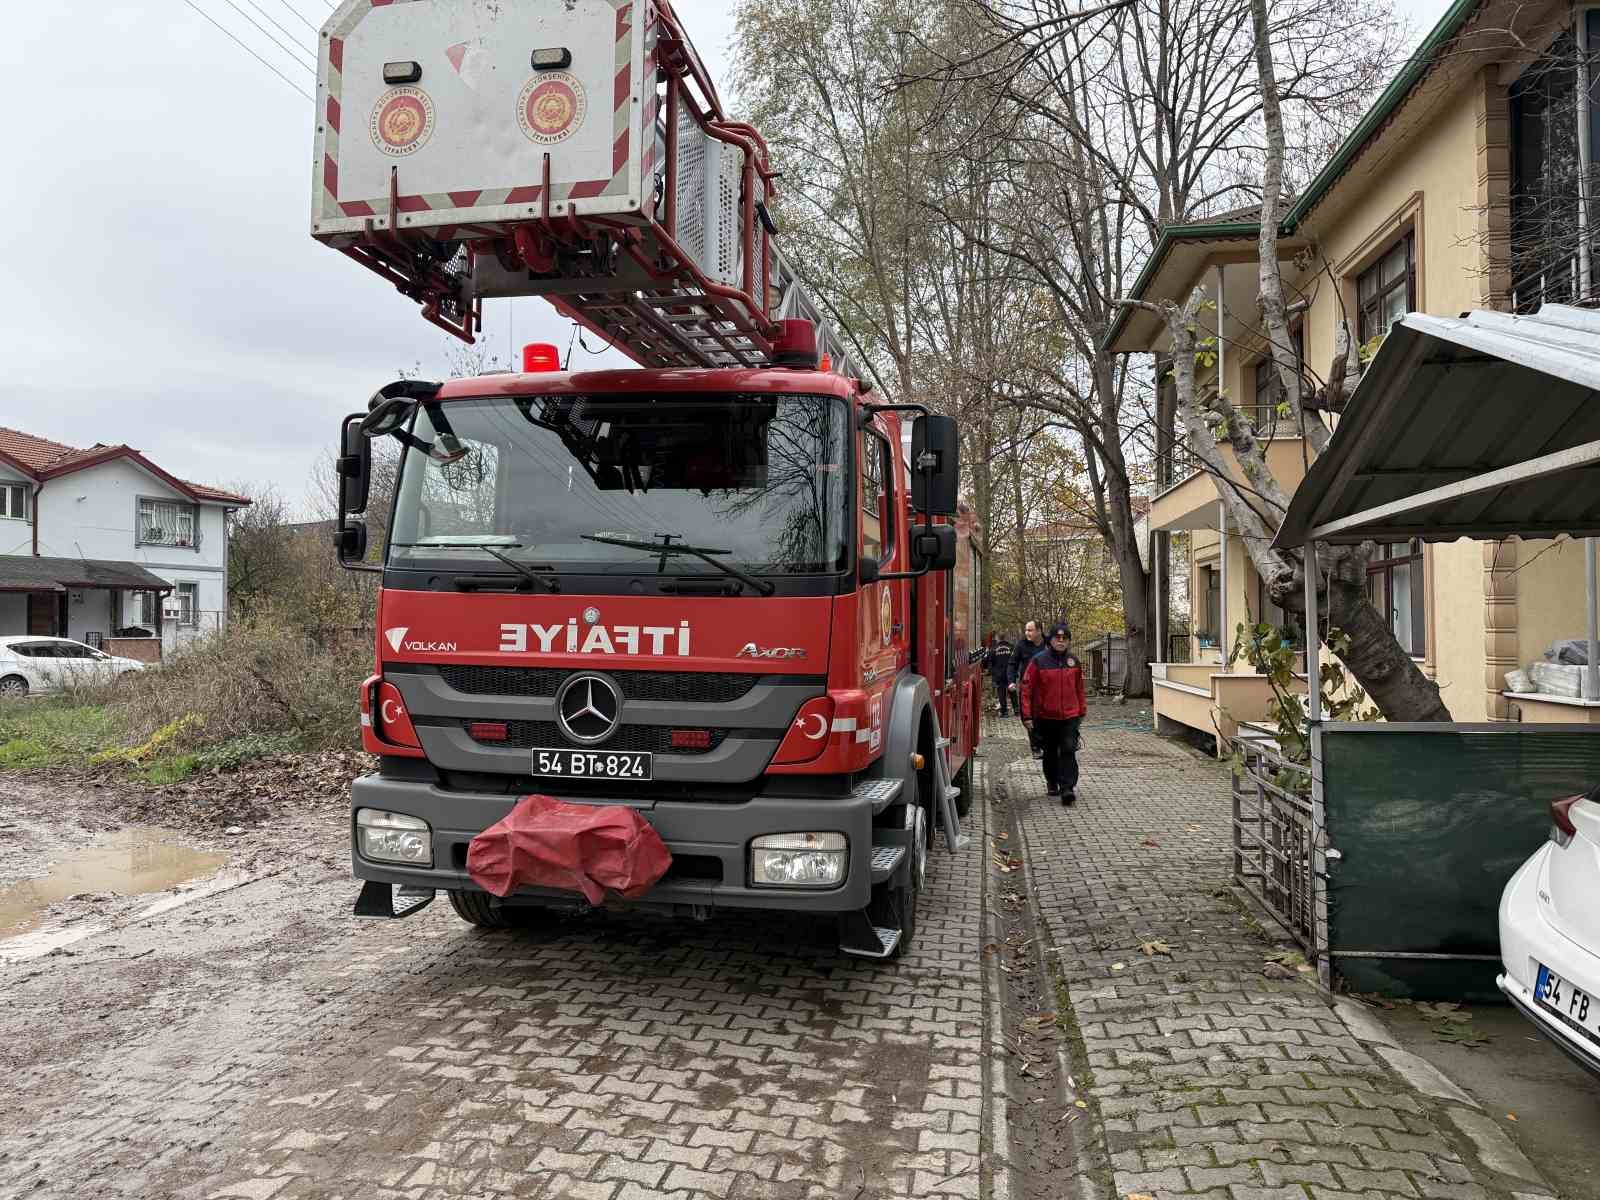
point(231, 36)
point(293, 39)
point(290, 49)
point(299, 14)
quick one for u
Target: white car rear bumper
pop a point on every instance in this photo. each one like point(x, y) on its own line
point(1527, 939)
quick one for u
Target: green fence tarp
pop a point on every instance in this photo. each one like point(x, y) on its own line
point(1430, 822)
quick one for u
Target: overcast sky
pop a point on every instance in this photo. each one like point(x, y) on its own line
point(162, 289)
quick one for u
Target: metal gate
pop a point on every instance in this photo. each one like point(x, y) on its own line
point(1274, 844)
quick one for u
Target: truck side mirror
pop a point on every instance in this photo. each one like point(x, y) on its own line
point(933, 547)
point(355, 467)
point(935, 465)
point(350, 542)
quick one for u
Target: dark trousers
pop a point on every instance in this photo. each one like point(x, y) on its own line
point(1002, 693)
point(1059, 739)
point(1033, 730)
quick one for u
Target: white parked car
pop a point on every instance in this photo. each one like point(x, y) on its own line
point(31, 665)
point(1550, 932)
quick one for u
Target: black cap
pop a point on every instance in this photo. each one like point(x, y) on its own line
point(1059, 629)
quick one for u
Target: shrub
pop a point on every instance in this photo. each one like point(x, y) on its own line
point(252, 681)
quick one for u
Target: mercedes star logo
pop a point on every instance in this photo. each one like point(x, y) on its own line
point(587, 708)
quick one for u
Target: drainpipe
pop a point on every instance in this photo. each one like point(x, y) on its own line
point(34, 512)
point(1591, 673)
point(1313, 639)
point(1222, 585)
point(1585, 157)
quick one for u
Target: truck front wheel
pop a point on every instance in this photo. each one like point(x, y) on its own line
point(479, 908)
point(894, 904)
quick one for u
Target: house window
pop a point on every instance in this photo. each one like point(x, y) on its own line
point(14, 501)
point(142, 609)
point(167, 523)
point(1265, 410)
point(1387, 290)
point(188, 596)
point(1395, 587)
point(1211, 611)
point(1547, 118)
point(1269, 613)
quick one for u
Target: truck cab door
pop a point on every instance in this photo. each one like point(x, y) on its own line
point(882, 618)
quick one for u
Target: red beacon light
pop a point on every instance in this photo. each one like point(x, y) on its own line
point(540, 356)
point(795, 346)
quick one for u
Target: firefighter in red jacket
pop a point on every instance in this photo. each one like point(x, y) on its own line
point(1053, 705)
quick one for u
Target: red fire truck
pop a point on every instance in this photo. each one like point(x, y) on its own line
point(729, 590)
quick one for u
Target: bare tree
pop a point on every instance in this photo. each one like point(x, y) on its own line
point(1256, 505)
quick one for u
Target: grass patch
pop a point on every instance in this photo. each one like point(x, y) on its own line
point(23, 752)
point(169, 770)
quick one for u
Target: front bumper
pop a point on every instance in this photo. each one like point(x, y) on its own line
point(1528, 939)
point(709, 844)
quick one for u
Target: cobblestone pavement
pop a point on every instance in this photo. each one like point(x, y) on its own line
point(1210, 1079)
point(609, 1057)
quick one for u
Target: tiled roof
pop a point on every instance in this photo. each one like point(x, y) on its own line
point(34, 453)
point(25, 573)
point(42, 457)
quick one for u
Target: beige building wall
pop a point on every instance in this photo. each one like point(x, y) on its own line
point(1455, 628)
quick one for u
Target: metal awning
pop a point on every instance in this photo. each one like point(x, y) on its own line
point(1483, 426)
point(22, 573)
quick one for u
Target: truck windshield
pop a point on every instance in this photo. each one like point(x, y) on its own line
point(559, 481)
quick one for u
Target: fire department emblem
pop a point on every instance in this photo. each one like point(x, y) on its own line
point(402, 121)
point(551, 107)
point(885, 614)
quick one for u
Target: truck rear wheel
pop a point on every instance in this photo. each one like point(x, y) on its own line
point(479, 908)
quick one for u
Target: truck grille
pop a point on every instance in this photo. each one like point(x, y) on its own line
point(655, 738)
point(690, 687)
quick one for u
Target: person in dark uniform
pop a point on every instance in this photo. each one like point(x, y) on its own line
point(1000, 673)
point(1029, 644)
point(1053, 704)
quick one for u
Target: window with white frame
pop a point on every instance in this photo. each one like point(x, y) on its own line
point(188, 597)
point(167, 523)
point(141, 609)
point(14, 501)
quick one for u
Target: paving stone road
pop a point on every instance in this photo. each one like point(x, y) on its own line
point(1211, 1080)
point(612, 1057)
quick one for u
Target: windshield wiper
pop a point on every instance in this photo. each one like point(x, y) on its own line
point(667, 548)
point(497, 549)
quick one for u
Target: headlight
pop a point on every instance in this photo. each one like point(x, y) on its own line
point(799, 860)
point(393, 837)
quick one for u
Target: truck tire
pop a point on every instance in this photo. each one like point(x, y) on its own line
point(894, 903)
point(479, 908)
point(963, 780)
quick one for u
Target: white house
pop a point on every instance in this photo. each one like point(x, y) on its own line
point(101, 540)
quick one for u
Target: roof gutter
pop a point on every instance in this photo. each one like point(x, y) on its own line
point(1382, 109)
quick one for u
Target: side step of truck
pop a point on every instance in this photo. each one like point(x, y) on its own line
point(858, 936)
point(882, 792)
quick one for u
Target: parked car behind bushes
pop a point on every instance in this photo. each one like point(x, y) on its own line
point(39, 665)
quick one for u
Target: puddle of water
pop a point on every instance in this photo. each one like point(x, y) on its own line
point(130, 862)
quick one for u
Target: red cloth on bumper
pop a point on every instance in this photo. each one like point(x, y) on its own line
point(545, 842)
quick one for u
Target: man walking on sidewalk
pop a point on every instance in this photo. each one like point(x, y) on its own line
point(1053, 706)
point(1030, 643)
point(1000, 673)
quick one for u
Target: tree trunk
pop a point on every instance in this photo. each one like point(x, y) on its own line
point(1390, 675)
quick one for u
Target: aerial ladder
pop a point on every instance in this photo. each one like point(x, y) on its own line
point(577, 151)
